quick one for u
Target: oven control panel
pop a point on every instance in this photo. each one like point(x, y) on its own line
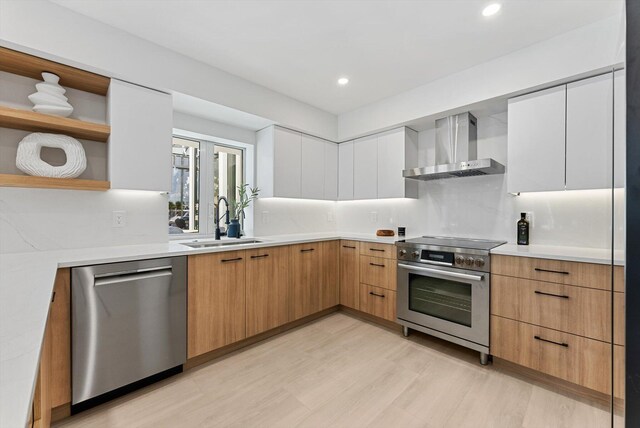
point(460, 260)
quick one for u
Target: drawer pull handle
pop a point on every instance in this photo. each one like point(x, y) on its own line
point(349, 246)
point(307, 250)
point(376, 264)
point(376, 249)
point(53, 297)
point(566, 345)
point(237, 259)
point(260, 256)
point(551, 271)
point(562, 296)
point(376, 294)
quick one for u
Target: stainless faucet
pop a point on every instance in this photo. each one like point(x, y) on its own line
point(216, 214)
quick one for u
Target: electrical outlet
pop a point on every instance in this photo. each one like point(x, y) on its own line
point(265, 217)
point(373, 216)
point(118, 219)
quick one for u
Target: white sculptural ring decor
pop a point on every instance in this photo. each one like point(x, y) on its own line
point(29, 161)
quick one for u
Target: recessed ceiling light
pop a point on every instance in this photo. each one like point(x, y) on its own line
point(492, 9)
point(343, 81)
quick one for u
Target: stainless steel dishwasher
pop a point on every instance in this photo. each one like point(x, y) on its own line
point(129, 326)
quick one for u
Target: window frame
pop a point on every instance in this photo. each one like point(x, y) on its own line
point(206, 221)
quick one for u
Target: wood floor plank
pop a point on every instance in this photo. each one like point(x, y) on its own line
point(342, 372)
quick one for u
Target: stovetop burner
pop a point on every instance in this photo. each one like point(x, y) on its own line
point(461, 243)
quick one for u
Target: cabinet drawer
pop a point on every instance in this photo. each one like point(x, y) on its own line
point(379, 272)
point(379, 302)
point(387, 251)
point(558, 271)
point(576, 359)
point(577, 310)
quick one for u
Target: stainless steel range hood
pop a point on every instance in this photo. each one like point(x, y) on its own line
point(456, 152)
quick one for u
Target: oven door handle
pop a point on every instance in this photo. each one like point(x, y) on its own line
point(456, 275)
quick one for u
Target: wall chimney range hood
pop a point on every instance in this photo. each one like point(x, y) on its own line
point(456, 152)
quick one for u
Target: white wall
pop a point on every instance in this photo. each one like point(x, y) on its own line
point(38, 219)
point(58, 32)
point(480, 207)
point(216, 129)
point(592, 47)
point(275, 216)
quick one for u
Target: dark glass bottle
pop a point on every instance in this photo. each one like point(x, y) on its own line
point(523, 230)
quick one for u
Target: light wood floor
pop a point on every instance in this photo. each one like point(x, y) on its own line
point(343, 372)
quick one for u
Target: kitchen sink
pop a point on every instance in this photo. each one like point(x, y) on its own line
point(210, 244)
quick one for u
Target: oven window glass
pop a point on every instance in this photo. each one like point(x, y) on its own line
point(440, 298)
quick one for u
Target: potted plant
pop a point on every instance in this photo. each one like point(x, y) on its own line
point(246, 195)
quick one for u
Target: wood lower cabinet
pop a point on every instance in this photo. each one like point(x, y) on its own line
point(216, 301)
point(267, 289)
point(60, 319)
point(305, 261)
point(350, 274)
point(554, 316)
point(374, 249)
point(42, 397)
point(576, 310)
point(330, 291)
point(379, 302)
point(378, 272)
point(576, 359)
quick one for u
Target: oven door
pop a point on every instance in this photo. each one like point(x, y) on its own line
point(451, 301)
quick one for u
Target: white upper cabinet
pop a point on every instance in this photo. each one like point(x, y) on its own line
point(295, 165)
point(139, 148)
point(536, 141)
point(365, 168)
point(397, 151)
point(619, 128)
point(590, 133)
point(345, 171)
point(312, 167)
point(330, 171)
point(287, 153)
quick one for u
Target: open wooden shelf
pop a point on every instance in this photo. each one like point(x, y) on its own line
point(31, 66)
point(12, 180)
point(38, 122)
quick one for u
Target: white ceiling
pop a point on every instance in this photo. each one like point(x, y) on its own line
point(300, 48)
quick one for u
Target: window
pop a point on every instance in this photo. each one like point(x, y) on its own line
point(202, 171)
point(183, 199)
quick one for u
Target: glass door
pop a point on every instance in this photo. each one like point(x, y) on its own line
point(441, 298)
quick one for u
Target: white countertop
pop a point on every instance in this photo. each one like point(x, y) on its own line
point(573, 254)
point(26, 287)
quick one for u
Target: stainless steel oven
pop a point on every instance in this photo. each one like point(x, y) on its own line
point(444, 289)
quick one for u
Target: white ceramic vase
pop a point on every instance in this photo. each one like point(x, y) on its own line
point(49, 98)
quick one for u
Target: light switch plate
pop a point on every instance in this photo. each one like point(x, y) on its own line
point(119, 219)
point(373, 216)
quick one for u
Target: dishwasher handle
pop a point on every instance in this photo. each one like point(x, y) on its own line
point(131, 276)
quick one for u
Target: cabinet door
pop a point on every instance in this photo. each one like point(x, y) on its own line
point(365, 168)
point(350, 273)
point(330, 171)
point(141, 122)
point(345, 171)
point(536, 141)
point(590, 133)
point(267, 289)
point(306, 279)
point(60, 319)
point(329, 294)
point(287, 172)
point(312, 167)
point(397, 149)
point(216, 301)
point(619, 128)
